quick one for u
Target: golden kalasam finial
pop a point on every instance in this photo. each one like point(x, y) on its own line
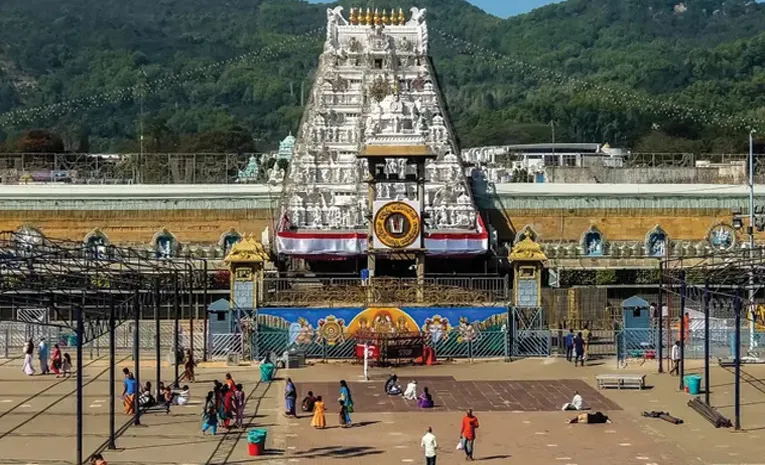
point(362, 19)
point(377, 18)
point(353, 18)
point(369, 17)
point(401, 16)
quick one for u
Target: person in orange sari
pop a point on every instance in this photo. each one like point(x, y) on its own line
point(318, 420)
point(230, 383)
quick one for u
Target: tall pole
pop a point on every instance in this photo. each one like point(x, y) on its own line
point(683, 291)
point(204, 308)
point(706, 343)
point(659, 336)
point(80, 334)
point(137, 356)
point(157, 338)
point(112, 362)
point(751, 240)
point(176, 324)
point(737, 362)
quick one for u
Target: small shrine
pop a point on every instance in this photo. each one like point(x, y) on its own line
point(251, 173)
point(286, 147)
point(246, 261)
point(528, 263)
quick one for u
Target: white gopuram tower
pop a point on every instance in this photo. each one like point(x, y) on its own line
point(375, 95)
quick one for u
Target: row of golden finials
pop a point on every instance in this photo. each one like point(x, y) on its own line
point(357, 17)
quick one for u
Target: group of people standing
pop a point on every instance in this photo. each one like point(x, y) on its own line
point(315, 404)
point(60, 364)
point(577, 346)
point(224, 403)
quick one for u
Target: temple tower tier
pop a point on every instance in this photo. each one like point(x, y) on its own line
point(376, 98)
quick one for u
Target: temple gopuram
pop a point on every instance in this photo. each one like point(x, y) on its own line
point(375, 93)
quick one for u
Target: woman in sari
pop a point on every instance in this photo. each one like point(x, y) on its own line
point(226, 408)
point(29, 349)
point(345, 396)
point(230, 383)
point(318, 420)
point(290, 397)
point(425, 400)
point(56, 359)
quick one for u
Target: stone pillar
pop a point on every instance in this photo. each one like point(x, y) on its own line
point(421, 253)
point(246, 261)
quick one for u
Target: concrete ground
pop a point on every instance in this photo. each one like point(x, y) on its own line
point(515, 402)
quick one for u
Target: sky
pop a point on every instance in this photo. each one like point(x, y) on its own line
point(502, 8)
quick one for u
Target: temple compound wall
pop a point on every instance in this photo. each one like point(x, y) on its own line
point(578, 225)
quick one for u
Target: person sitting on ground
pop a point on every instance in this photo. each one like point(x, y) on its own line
point(146, 399)
point(425, 400)
point(591, 418)
point(308, 402)
point(411, 391)
point(392, 387)
point(182, 397)
point(98, 459)
point(575, 404)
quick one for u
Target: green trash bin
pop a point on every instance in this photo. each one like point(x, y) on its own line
point(267, 372)
point(693, 383)
point(257, 436)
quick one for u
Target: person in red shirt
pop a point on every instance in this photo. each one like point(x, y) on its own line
point(467, 433)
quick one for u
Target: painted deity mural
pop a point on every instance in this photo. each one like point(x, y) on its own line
point(333, 326)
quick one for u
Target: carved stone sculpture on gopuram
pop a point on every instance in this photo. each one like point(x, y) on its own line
point(374, 86)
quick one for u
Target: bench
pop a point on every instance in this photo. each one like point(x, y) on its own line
point(621, 381)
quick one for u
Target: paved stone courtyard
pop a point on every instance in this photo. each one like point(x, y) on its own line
point(450, 395)
point(517, 405)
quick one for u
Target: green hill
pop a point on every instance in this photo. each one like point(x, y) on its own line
point(650, 74)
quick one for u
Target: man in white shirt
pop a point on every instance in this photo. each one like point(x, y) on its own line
point(430, 445)
point(576, 403)
point(675, 356)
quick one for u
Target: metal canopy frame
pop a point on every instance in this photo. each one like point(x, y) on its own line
point(92, 290)
point(723, 283)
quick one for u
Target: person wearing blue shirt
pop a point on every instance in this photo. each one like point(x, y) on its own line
point(569, 342)
point(129, 392)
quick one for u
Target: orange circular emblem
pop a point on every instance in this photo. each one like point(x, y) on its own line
point(397, 225)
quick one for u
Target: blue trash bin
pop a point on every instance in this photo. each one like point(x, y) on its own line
point(693, 383)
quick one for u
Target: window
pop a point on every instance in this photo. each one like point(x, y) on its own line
point(220, 316)
point(164, 246)
point(378, 63)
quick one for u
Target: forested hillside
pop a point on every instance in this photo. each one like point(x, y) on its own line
point(229, 75)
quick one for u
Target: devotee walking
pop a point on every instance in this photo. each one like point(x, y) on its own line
point(345, 396)
point(239, 402)
point(129, 393)
point(188, 367)
point(569, 342)
point(210, 421)
point(226, 409)
point(290, 398)
point(42, 355)
point(230, 382)
point(319, 421)
point(675, 356)
point(430, 446)
point(29, 349)
point(467, 433)
point(345, 415)
point(578, 349)
point(56, 360)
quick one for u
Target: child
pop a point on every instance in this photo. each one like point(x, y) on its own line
point(168, 398)
point(66, 366)
point(318, 420)
point(345, 417)
point(210, 421)
point(182, 397)
point(98, 459)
